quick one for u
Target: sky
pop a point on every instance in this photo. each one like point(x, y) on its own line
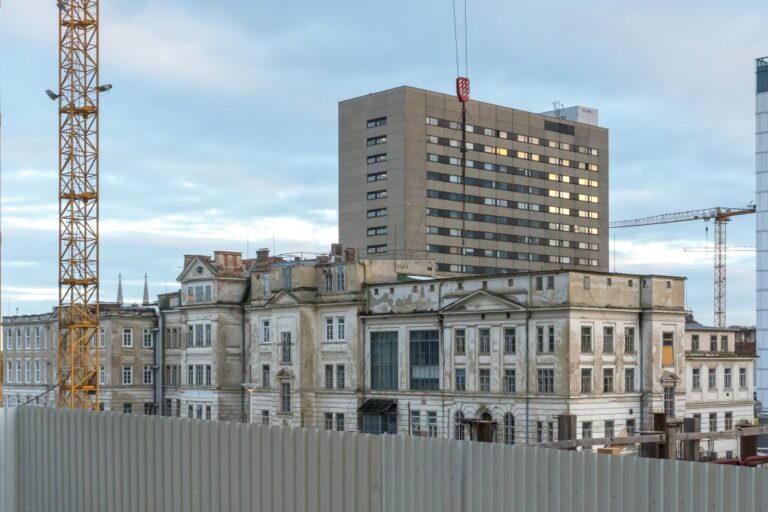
point(221, 130)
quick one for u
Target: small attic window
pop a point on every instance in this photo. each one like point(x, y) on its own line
point(669, 284)
point(460, 285)
point(431, 287)
point(485, 284)
point(630, 283)
point(610, 281)
point(510, 282)
point(375, 291)
point(415, 289)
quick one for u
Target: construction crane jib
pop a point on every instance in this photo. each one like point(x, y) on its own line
point(78, 101)
point(721, 217)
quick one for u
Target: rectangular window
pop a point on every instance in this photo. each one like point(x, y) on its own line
point(340, 328)
point(713, 343)
point(743, 378)
point(631, 427)
point(37, 338)
point(415, 422)
point(586, 338)
point(375, 141)
point(329, 329)
point(376, 194)
point(485, 341)
point(147, 338)
point(18, 371)
point(432, 424)
point(190, 375)
point(264, 417)
point(377, 176)
point(546, 380)
point(127, 375)
point(341, 283)
point(265, 331)
point(586, 380)
point(340, 376)
point(377, 230)
point(328, 278)
point(669, 401)
point(328, 421)
point(384, 369)
point(712, 378)
point(460, 336)
point(608, 339)
point(607, 380)
point(375, 159)
point(510, 340)
point(485, 379)
point(609, 429)
point(510, 380)
point(377, 249)
point(551, 338)
point(539, 283)
point(340, 421)
point(724, 343)
point(9, 371)
point(629, 380)
point(208, 414)
point(199, 379)
point(102, 375)
point(208, 335)
point(38, 373)
point(285, 397)
point(540, 339)
point(198, 294)
point(461, 379)
point(550, 282)
point(198, 336)
point(379, 121)
point(127, 337)
point(102, 338)
point(696, 379)
point(208, 375)
point(539, 431)
point(27, 339)
point(208, 294)
point(713, 422)
point(729, 421)
point(424, 355)
point(285, 348)
point(695, 343)
point(148, 378)
point(265, 373)
point(377, 212)
point(127, 408)
point(586, 430)
point(728, 378)
point(286, 274)
point(329, 376)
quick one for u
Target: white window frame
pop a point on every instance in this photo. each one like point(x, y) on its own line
point(147, 341)
point(127, 337)
point(37, 372)
point(127, 375)
point(102, 375)
point(147, 372)
point(329, 329)
point(340, 328)
point(266, 331)
point(102, 337)
point(37, 338)
point(27, 371)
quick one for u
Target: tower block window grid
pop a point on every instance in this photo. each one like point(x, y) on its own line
point(78, 312)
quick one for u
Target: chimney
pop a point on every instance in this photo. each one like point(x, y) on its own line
point(336, 250)
point(262, 255)
point(350, 254)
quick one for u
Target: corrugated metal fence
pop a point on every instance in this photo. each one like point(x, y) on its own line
point(75, 461)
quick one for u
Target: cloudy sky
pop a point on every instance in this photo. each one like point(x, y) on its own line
point(221, 129)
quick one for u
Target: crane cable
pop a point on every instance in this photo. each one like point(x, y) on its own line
point(456, 40)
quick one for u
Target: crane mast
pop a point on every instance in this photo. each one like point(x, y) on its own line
point(78, 311)
point(721, 216)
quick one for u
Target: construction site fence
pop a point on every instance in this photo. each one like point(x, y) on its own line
point(62, 460)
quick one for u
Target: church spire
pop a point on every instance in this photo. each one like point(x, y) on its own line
point(120, 289)
point(146, 291)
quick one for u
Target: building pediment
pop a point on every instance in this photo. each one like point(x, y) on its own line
point(284, 298)
point(668, 377)
point(285, 373)
point(197, 268)
point(482, 301)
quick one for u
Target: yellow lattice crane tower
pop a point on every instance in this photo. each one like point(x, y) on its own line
point(78, 100)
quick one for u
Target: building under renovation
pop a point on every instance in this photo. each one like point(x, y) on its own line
point(338, 342)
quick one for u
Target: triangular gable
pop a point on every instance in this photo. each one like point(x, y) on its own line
point(482, 301)
point(667, 376)
point(284, 298)
point(285, 373)
point(197, 268)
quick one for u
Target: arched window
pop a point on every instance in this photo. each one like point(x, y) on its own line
point(458, 427)
point(509, 428)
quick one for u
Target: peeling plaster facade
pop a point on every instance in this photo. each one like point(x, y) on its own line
point(127, 348)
